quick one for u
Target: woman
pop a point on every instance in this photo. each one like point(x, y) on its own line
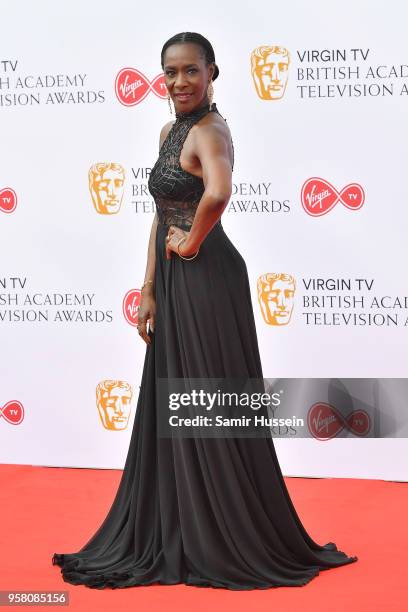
point(200, 511)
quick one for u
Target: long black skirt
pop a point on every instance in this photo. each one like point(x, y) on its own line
point(200, 511)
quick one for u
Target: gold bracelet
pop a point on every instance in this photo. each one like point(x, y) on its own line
point(145, 283)
point(182, 256)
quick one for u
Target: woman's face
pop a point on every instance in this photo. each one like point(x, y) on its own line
point(186, 75)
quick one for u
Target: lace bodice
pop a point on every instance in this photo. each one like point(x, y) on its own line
point(175, 191)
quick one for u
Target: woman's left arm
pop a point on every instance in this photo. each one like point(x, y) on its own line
point(211, 147)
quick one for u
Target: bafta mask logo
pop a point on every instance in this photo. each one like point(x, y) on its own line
point(275, 295)
point(106, 184)
point(8, 200)
point(113, 398)
point(269, 67)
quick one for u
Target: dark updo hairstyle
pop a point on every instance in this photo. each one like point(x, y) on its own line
point(193, 37)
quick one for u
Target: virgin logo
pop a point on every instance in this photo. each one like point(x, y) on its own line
point(319, 197)
point(130, 306)
point(12, 412)
point(132, 86)
point(325, 421)
point(8, 200)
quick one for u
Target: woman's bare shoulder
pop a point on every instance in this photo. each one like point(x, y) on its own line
point(215, 121)
point(212, 125)
point(164, 131)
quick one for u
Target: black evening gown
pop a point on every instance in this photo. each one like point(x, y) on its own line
point(200, 511)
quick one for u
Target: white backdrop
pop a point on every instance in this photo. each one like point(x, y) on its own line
point(60, 114)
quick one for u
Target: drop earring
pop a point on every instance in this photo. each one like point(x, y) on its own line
point(210, 93)
point(168, 100)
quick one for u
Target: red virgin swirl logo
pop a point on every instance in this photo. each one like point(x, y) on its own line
point(132, 86)
point(130, 306)
point(8, 200)
point(319, 197)
point(12, 412)
point(325, 421)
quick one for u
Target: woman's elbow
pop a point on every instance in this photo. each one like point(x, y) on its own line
point(219, 197)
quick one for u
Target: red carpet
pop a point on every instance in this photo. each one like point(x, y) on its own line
point(47, 510)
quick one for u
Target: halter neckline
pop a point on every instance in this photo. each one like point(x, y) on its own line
point(196, 112)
